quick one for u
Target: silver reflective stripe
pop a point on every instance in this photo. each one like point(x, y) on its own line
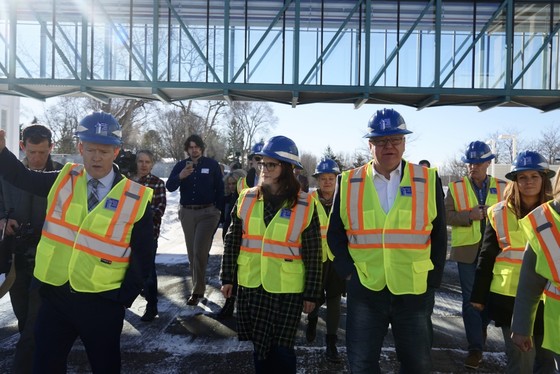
point(365, 239)
point(60, 231)
point(245, 206)
point(460, 194)
point(354, 184)
point(99, 245)
point(65, 192)
point(544, 231)
point(511, 254)
point(552, 289)
point(298, 219)
point(130, 198)
point(251, 243)
point(282, 251)
point(420, 207)
point(500, 217)
point(405, 238)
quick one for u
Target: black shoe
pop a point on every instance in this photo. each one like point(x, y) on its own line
point(227, 309)
point(149, 314)
point(311, 331)
point(332, 352)
point(194, 299)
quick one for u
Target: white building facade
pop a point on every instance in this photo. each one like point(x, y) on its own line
point(9, 121)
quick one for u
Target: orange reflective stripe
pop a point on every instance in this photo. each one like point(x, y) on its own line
point(418, 186)
point(245, 210)
point(278, 249)
point(102, 255)
point(355, 198)
point(63, 195)
point(548, 236)
point(298, 218)
point(552, 291)
point(128, 207)
point(461, 195)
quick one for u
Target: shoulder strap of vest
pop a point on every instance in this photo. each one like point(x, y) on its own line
point(547, 232)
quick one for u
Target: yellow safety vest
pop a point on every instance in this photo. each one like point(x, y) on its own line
point(241, 184)
point(465, 198)
point(512, 241)
point(541, 227)
point(324, 221)
point(271, 255)
point(390, 249)
point(91, 250)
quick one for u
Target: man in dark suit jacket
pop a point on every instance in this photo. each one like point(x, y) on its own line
point(95, 249)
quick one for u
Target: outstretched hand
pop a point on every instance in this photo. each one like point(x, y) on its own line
point(2, 140)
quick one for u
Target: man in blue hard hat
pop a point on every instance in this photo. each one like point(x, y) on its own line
point(388, 235)
point(95, 250)
point(466, 203)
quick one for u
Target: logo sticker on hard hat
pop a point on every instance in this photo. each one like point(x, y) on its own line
point(523, 161)
point(102, 129)
point(384, 124)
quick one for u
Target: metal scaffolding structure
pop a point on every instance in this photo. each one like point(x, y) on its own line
point(416, 53)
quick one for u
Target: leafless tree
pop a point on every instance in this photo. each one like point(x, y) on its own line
point(255, 118)
point(549, 143)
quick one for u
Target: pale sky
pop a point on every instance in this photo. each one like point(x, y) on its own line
point(439, 134)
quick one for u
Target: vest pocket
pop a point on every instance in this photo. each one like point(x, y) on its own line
point(292, 277)
point(244, 270)
point(420, 274)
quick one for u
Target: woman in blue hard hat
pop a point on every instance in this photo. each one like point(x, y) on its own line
point(499, 262)
point(274, 247)
point(334, 286)
point(540, 275)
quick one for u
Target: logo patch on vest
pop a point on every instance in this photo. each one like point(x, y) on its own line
point(111, 204)
point(285, 213)
point(406, 191)
point(105, 261)
point(493, 190)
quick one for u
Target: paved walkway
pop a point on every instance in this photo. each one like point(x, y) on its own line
point(186, 339)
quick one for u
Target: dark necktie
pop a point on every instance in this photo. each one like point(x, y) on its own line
point(93, 198)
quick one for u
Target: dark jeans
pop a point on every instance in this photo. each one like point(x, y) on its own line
point(26, 301)
point(369, 316)
point(150, 286)
point(66, 315)
point(282, 360)
point(475, 322)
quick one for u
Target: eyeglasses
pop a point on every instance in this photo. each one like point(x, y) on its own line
point(270, 166)
point(384, 142)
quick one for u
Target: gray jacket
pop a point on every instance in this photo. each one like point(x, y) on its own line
point(24, 207)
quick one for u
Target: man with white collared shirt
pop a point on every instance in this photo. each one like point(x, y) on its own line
point(388, 236)
point(92, 259)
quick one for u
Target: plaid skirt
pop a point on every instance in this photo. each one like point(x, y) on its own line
point(268, 319)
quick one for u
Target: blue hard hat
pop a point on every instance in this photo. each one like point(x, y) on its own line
point(283, 149)
point(477, 152)
point(99, 128)
point(326, 165)
point(256, 148)
point(386, 122)
point(529, 160)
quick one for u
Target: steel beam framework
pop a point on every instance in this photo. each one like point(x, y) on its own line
point(416, 53)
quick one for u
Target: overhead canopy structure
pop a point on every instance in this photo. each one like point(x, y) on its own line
point(417, 53)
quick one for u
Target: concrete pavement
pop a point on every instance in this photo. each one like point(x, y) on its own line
point(184, 339)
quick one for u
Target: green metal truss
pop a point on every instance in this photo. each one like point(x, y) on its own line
point(416, 53)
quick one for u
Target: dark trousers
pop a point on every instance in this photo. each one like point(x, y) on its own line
point(368, 319)
point(150, 286)
point(25, 299)
point(281, 360)
point(66, 315)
